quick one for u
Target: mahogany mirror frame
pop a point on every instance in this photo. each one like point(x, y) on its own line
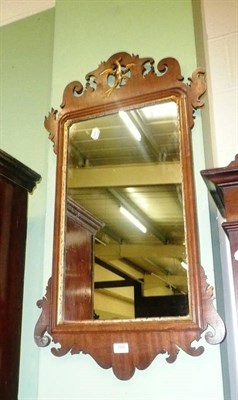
point(136, 82)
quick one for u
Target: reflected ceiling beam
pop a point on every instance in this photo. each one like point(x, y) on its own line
point(121, 268)
point(100, 238)
point(133, 175)
point(180, 195)
point(175, 281)
point(115, 251)
point(130, 274)
point(112, 284)
point(126, 272)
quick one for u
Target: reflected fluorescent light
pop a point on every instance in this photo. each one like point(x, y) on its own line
point(184, 265)
point(95, 133)
point(130, 125)
point(132, 219)
point(160, 111)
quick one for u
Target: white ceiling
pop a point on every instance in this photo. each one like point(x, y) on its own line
point(13, 10)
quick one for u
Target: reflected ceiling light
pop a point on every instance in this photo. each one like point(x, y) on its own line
point(130, 125)
point(160, 111)
point(132, 219)
point(95, 133)
point(184, 265)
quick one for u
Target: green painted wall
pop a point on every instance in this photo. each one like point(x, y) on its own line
point(86, 33)
point(89, 31)
point(26, 69)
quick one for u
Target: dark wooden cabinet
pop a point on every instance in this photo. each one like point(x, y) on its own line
point(16, 180)
point(222, 183)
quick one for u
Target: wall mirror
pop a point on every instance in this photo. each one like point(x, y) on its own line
point(126, 279)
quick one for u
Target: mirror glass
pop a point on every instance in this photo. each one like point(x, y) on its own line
point(124, 169)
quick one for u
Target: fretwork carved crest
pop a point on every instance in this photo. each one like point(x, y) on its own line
point(114, 81)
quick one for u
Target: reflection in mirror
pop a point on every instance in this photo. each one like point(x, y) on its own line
point(124, 173)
